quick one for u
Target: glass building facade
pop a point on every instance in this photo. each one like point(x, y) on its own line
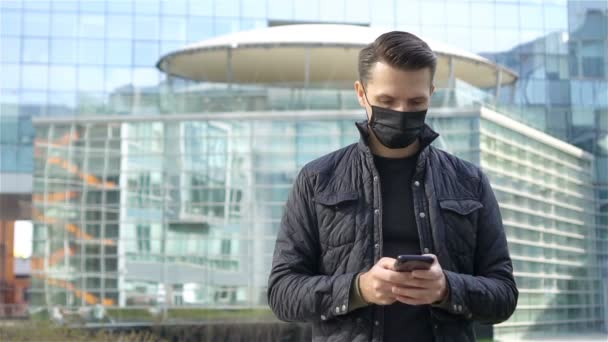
point(148, 192)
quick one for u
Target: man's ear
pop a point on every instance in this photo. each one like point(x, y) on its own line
point(432, 89)
point(360, 93)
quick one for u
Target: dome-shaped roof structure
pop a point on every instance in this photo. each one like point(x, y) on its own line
point(310, 54)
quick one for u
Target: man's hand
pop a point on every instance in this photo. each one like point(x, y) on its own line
point(374, 284)
point(422, 286)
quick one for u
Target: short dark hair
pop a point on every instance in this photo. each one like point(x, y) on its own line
point(398, 49)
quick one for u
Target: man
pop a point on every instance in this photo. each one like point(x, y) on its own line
point(353, 211)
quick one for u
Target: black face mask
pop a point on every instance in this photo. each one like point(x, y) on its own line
point(396, 129)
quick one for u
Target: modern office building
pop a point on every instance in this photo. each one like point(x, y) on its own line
point(150, 190)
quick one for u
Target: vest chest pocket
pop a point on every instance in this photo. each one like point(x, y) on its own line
point(336, 215)
point(460, 219)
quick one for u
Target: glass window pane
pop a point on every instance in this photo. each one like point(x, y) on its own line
point(10, 22)
point(40, 5)
point(120, 26)
point(120, 7)
point(309, 10)
point(199, 28)
point(144, 77)
point(91, 52)
point(167, 47)
point(10, 49)
point(556, 18)
point(35, 77)
point(532, 15)
point(65, 6)
point(434, 13)
point(280, 9)
point(174, 7)
point(332, 11)
point(225, 26)
point(507, 15)
point(253, 9)
point(173, 29)
point(64, 25)
point(202, 7)
point(117, 78)
point(119, 52)
point(227, 8)
point(36, 24)
point(458, 13)
point(146, 53)
point(62, 77)
point(63, 51)
point(482, 15)
point(93, 7)
point(357, 11)
point(383, 13)
point(146, 27)
point(92, 26)
point(147, 7)
point(10, 76)
point(90, 79)
point(36, 50)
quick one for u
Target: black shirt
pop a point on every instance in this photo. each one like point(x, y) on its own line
point(402, 322)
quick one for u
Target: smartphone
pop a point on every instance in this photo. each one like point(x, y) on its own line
point(408, 263)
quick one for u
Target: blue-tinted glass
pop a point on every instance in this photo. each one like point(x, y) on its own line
point(174, 7)
point(95, 6)
point(65, 5)
point(36, 50)
point(482, 15)
point(146, 27)
point(457, 13)
point(506, 39)
point(61, 103)
point(25, 159)
point(357, 11)
point(63, 51)
point(253, 9)
point(145, 77)
point(34, 77)
point(120, 6)
point(532, 16)
point(173, 28)
point(8, 158)
point(146, 53)
point(92, 26)
point(332, 11)
point(225, 26)
point(9, 128)
point(201, 7)
point(408, 14)
point(117, 78)
point(147, 7)
point(199, 28)
point(34, 102)
point(433, 12)
point(250, 24)
point(64, 25)
point(91, 51)
point(119, 52)
point(36, 24)
point(280, 9)
point(308, 10)
point(11, 22)
point(556, 18)
point(507, 15)
point(119, 26)
point(167, 47)
point(62, 77)
point(527, 36)
point(227, 8)
point(90, 79)
point(483, 40)
point(10, 49)
point(459, 37)
point(39, 5)
point(436, 33)
point(10, 4)
point(383, 13)
point(10, 76)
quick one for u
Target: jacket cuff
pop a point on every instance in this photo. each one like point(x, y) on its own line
point(356, 301)
point(454, 303)
point(339, 303)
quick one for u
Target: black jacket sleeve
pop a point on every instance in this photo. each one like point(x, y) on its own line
point(490, 295)
point(296, 292)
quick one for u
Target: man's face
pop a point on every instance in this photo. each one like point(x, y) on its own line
point(396, 89)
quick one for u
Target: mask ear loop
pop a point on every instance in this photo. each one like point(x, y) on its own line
point(369, 103)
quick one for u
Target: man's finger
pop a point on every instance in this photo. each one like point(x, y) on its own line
point(410, 301)
point(414, 293)
point(386, 263)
